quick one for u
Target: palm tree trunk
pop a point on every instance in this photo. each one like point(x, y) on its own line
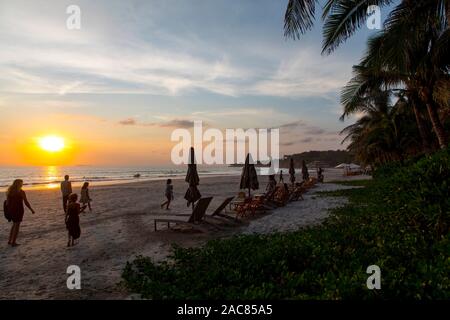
point(421, 127)
point(447, 12)
point(437, 125)
point(432, 108)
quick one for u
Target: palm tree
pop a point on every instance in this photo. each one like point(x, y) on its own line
point(415, 43)
point(370, 78)
point(416, 55)
point(343, 17)
point(384, 132)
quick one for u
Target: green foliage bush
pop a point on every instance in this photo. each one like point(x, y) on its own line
point(399, 221)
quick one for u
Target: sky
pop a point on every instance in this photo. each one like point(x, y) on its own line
point(137, 70)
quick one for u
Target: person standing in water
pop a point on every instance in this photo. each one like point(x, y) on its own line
point(66, 190)
point(15, 199)
point(168, 194)
point(85, 198)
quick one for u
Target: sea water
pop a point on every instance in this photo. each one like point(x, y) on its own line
point(51, 176)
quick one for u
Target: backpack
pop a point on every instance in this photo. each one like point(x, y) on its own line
point(5, 211)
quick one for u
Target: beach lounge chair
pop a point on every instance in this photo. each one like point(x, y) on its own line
point(239, 200)
point(252, 205)
point(259, 204)
point(218, 212)
point(297, 192)
point(195, 218)
point(281, 196)
point(241, 208)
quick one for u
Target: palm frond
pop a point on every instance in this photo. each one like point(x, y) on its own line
point(343, 18)
point(299, 17)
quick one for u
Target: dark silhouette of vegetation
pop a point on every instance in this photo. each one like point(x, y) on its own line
point(331, 158)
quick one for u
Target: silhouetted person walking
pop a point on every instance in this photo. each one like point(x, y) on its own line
point(85, 197)
point(15, 198)
point(320, 174)
point(168, 193)
point(66, 190)
point(73, 219)
point(305, 173)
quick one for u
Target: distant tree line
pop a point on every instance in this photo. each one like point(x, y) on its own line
point(329, 158)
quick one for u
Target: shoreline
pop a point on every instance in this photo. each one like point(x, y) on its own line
point(105, 183)
point(54, 184)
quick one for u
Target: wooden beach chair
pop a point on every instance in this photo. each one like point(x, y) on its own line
point(241, 208)
point(258, 205)
point(297, 192)
point(253, 206)
point(311, 182)
point(196, 218)
point(239, 200)
point(218, 212)
point(281, 196)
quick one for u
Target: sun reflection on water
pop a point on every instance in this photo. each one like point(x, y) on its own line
point(51, 176)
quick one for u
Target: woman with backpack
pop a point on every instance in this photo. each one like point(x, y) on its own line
point(15, 199)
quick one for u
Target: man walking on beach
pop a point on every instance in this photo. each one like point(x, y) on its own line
point(66, 190)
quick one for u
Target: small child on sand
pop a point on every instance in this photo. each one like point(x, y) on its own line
point(73, 219)
point(85, 198)
point(168, 194)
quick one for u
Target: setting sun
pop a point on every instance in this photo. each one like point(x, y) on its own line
point(51, 143)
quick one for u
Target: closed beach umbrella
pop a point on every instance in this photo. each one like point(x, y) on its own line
point(249, 178)
point(292, 171)
point(192, 193)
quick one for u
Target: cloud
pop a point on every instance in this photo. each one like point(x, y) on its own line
point(294, 124)
point(39, 55)
point(174, 123)
point(128, 122)
point(69, 87)
point(315, 131)
point(177, 123)
point(305, 73)
point(306, 140)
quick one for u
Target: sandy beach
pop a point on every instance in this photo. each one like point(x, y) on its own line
point(121, 227)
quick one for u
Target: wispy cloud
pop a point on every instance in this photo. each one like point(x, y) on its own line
point(174, 123)
point(94, 61)
point(177, 123)
point(304, 73)
point(128, 122)
point(294, 124)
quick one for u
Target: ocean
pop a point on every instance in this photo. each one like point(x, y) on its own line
point(51, 176)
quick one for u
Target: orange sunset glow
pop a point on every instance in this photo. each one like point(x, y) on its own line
point(46, 150)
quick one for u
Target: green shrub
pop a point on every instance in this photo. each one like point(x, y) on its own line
point(399, 221)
